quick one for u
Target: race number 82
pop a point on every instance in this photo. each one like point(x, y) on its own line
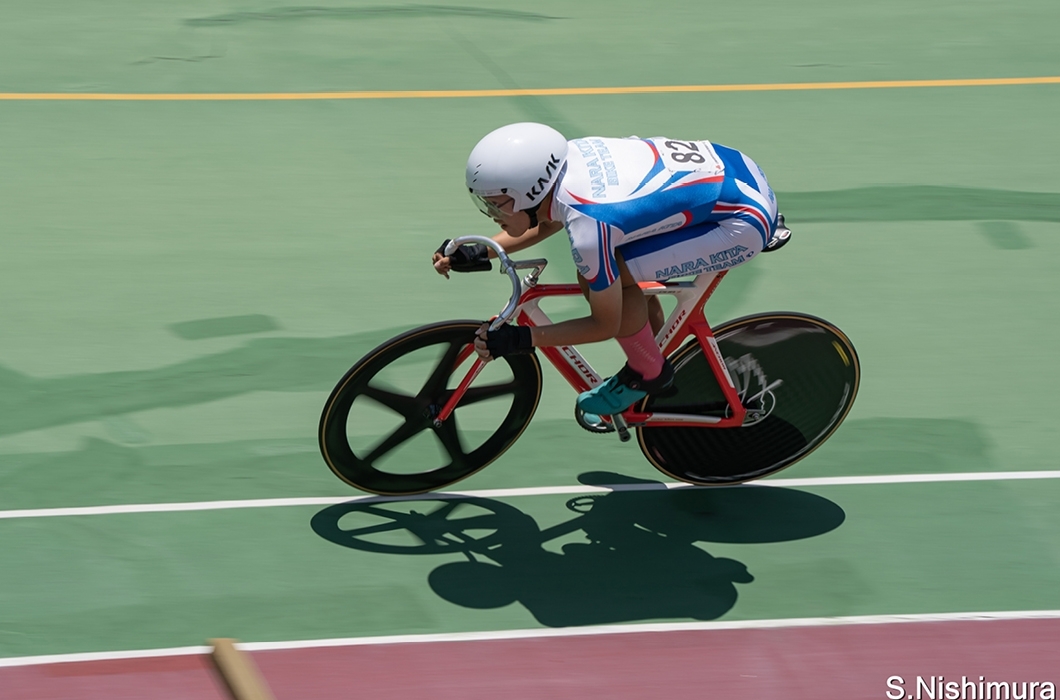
point(689, 156)
point(682, 152)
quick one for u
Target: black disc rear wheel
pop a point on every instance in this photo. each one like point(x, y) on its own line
point(377, 429)
point(797, 375)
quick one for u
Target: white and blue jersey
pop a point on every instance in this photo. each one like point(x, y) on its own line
point(674, 208)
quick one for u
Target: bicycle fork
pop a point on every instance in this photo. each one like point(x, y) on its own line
point(451, 403)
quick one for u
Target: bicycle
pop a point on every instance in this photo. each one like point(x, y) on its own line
point(750, 397)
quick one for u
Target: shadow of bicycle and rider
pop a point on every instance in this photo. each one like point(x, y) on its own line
point(626, 555)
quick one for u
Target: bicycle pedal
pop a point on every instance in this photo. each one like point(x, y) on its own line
point(620, 425)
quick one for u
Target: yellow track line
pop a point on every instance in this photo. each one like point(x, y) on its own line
point(527, 92)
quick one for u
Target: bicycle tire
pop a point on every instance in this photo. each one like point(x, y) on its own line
point(364, 471)
point(819, 372)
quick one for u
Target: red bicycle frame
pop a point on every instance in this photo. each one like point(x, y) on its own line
point(687, 319)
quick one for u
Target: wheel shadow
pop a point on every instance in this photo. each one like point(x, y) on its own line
point(628, 555)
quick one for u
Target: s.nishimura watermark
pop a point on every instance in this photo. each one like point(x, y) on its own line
point(941, 688)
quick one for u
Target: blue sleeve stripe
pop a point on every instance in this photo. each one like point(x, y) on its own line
point(609, 256)
point(608, 271)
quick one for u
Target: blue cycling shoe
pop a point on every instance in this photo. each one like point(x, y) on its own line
point(621, 391)
point(592, 422)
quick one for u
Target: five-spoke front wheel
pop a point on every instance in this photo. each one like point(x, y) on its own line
point(378, 431)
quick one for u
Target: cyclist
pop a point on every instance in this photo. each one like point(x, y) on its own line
point(635, 210)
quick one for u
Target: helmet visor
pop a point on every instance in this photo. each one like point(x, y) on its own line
point(493, 209)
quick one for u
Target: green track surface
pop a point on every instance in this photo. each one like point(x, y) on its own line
point(182, 283)
point(143, 581)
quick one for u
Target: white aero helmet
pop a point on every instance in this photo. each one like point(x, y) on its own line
point(521, 160)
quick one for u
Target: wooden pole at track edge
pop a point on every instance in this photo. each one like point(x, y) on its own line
point(238, 671)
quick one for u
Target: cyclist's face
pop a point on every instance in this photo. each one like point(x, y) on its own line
point(501, 208)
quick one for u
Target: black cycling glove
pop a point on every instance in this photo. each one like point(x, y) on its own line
point(509, 340)
point(470, 257)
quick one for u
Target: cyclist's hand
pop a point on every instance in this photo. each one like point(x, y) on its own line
point(506, 340)
point(480, 342)
point(441, 264)
point(470, 257)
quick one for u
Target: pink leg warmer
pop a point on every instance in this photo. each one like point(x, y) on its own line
point(643, 353)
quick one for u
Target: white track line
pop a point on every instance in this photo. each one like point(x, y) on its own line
point(512, 493)
point(13, 661)
point(588, 631)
